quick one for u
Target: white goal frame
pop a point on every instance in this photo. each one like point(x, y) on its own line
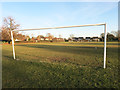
point(105, 35)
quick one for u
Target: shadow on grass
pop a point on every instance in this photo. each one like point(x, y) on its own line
point(69, 49)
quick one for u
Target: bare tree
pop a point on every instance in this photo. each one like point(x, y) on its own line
point(50, 35)
point(22, 37)
point(102, 35)
point(115, 33)
point(8, 25)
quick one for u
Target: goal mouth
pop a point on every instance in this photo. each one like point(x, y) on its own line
point(102, 24)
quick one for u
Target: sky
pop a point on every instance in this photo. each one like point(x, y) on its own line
point(53, 14)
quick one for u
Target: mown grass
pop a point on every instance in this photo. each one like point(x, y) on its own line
point(51, 65)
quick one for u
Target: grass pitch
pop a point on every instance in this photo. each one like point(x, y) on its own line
point(51, 65)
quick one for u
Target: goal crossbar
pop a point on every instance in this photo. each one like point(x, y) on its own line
point(105, 35)
point(60, 27)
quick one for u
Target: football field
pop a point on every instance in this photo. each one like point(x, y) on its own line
point(67, 64)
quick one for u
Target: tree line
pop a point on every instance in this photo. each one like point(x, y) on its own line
point(10, 24)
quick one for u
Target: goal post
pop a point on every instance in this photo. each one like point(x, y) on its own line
point(103, 24)
point(105, 37)
point(13, 44)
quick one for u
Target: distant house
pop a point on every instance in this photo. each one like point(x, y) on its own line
point(48, 38)
point(58, 39)
point(80, 38)
point(95, 39)
point(40, 38)
point(88, 39)
point(75, 39)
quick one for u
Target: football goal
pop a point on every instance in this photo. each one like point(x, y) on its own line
point(61, 27)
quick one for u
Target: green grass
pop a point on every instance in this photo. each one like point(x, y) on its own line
point(69, 65)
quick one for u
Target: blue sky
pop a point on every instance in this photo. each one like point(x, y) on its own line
point(51, 14)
